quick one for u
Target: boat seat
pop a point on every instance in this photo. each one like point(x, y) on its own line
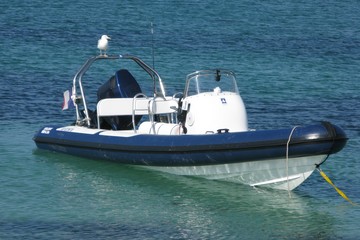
point(121, 107)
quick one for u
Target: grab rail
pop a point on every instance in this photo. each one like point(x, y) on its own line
point(78, 78)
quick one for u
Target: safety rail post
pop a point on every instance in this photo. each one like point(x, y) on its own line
point(78, 77)
point(134, 109)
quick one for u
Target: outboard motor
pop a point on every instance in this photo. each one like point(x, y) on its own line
point(121, 85)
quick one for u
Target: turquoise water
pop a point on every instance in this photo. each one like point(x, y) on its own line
point(297, 63)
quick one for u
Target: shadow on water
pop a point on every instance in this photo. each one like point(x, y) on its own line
point(96, 199)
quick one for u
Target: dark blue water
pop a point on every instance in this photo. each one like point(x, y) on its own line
point(296, 63)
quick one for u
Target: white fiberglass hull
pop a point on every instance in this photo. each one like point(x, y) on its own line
point(275, 173)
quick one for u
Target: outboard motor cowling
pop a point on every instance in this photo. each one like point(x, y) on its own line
point(121, 85)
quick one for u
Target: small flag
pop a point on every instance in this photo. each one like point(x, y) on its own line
point(68, 101)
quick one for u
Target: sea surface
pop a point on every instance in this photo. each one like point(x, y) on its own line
point(297, 62)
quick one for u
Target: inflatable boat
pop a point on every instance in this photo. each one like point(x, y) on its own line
point(202, 131)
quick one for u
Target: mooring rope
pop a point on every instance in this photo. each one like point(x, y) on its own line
point(287, 159)
point(341, 193)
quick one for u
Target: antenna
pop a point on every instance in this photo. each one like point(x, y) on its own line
point(152, 39)
point(153, 57)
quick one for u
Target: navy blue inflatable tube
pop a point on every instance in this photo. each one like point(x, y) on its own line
point(195, 150)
